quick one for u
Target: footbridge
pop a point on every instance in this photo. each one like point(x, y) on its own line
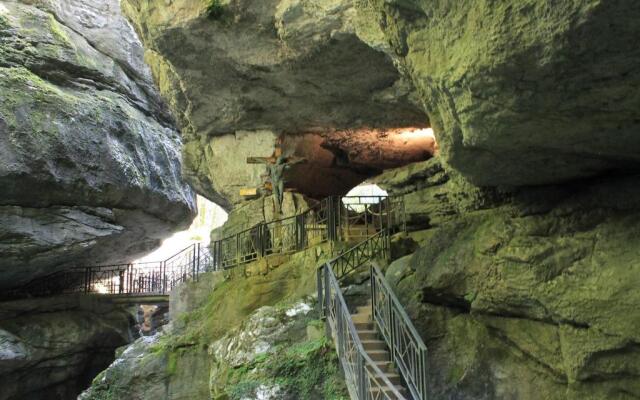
point(347, 218)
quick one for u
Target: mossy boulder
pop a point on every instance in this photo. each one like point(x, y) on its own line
point(522, 92)
point(536, 288)
point(233, 336)
point(89, 157)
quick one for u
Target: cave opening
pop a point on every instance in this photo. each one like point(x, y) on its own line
point(340, 160)
point(209, 216)
point(365, 193)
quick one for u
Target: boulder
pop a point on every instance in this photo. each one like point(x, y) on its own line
point(89, 156)
point(522, 92)
point(237, 78)
point(537, 288)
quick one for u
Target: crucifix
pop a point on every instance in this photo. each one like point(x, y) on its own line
point(276, 165)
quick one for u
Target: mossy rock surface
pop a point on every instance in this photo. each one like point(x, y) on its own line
point(521, 92)
point(89, 156)
point(529, 295)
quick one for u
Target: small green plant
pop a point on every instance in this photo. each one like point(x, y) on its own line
point(470, 297)
point(215, 9)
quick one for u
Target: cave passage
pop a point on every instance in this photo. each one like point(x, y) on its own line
point(338, 161)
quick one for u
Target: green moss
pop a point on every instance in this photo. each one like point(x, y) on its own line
point(172, 363)
point(301, 370)
point(59, 33)
point(4, 23)
point(470, 297)
point(238, 296)
point(215, 9)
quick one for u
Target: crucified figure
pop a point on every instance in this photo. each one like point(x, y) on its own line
point(276, 167)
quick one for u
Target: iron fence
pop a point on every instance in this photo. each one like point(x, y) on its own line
point(332, 219)
point(377, 245)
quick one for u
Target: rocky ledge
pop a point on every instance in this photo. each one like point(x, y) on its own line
point(89, 157)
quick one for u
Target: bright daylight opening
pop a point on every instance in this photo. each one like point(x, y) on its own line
point(210, 216)
point(364, 193)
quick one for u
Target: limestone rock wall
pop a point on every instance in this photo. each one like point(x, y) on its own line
point(522, 276)
point(50, 349)
point(528, 294)
point(89, 156)
point(522, 92)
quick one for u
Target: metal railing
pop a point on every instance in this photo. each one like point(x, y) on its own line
point(377, 245)
point(362, 216)
point(332, 219)
point(148, 278)
point(408, 351)
point(365, 380)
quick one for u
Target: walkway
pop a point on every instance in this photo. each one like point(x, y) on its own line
point(381, 354)
point(330, 220)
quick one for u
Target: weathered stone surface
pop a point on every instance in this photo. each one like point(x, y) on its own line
point(522, 92)
point(144, 370)
point(233, 337)
point(253, 212)
point(50, 349)
point(280, 66)
point(433, 195)
point(89, 157)
point(536, 287)
point(217, 166)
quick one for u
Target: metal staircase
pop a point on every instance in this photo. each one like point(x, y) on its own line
point(381, 353)
point(376, 348)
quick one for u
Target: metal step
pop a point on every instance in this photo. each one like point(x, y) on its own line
point(366, 309)
point(387, 392)
point(364, 326)
point(385, 366)
point(379, 355)
point(367, 334)
point(361, 318)
point(374, 345)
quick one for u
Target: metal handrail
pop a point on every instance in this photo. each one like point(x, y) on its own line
point(324, 222)
point(349, 261)
point(408, 351)
point(365, 380)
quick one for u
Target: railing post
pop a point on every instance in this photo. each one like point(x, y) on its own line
point(319, 291)
point(197, 260)
point(361, 375)
point(218, 250)
point(86, 280)
point(327, 297)
point(340, 331)
point(237, 249)
point(260, 240)
point(392, 331)
point(372, 276)
point(163, 276)
point(425, 369)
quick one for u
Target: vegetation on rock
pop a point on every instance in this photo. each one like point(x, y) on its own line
point(215, 9)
